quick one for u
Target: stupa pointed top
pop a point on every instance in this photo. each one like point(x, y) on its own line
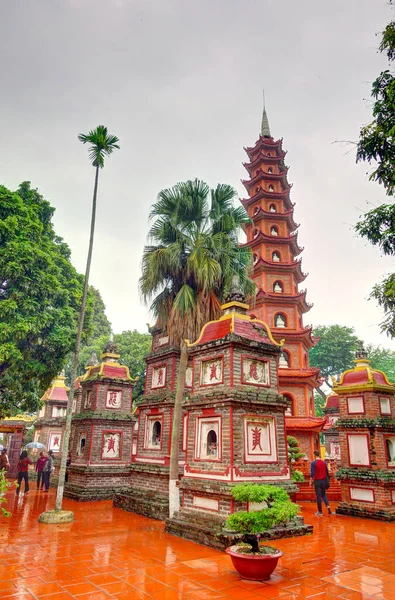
point(92, 362)
point(265, 128)
point(235, 293)
point(361, 352)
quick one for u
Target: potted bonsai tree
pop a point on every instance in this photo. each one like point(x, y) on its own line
point(250, 559)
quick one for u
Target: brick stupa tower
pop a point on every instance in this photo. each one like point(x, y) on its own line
point(278, 273)
point(367, 441)
point(51, 419)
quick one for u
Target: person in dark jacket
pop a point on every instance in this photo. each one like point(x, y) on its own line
point(47, 470)
point(319, 474)
point(42, 459)
point(4, 462)
point(23, 472)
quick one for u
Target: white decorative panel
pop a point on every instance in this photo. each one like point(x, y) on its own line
point(111, 445)
point(158, 377)
point(205, 503)
point(188, 377)
point(162, 341)
point(113, 399)
point(260, 440)
point(55, 440)
point(361, 494)
point(211, 372)
point(335, 451)
point(74, 405)
point(385, 406)
point(42, 412)
point(255, 372)
point(355, 405)
point(390, 444)
point(88, 400)
point(358, 448)
point(153, 432)
point(393, 496)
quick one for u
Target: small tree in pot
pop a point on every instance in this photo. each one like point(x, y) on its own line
point(277, 509)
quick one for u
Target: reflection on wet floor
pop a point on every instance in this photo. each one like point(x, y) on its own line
point(107, 553)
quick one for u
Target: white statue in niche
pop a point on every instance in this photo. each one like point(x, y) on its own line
point(256, 371)
point(211, 372)
point(272, 208)
point(279, 321)
point(275, 257)
point(256, 233)
point(255, 257)
point(277, 287)
point(271, 188)
point(209, 433)
point(273, 231)
point(283, 361)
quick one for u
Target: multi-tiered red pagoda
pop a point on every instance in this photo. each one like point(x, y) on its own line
point(278, 273)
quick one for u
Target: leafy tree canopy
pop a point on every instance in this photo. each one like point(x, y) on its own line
point(40, 292)
point(99, 325)
point(335, 350)
point(377, 147)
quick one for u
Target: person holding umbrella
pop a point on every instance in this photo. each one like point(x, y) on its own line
point(42, 459)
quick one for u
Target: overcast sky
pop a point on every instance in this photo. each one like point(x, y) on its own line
point(180, 83)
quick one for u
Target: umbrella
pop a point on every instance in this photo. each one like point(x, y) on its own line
point(35, 445)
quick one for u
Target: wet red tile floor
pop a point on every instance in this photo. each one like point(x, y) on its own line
point(107, 553)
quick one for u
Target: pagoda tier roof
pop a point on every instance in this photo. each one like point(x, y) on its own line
point(274, 216)
point(293, 267)
point(304, 423)
point(278, 299)
point(265, 142)
point(291, 240)
point(261, 193)
point(249, 166)
point(260, 176)
point(290, 335)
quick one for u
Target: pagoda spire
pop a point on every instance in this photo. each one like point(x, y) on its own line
point(265, 129)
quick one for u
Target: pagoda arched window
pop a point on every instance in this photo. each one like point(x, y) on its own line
point(312, 410)
point(284, 362)
point(268, 154)
point(156, 433)
point(258, 189)
point(290, 410)
point(278, 287)
point(271, 188)
point(280, 320)
point(270, 170)
point(256, 210)
point(273, 230)
point(276, 257)
point(305, 360)
point(255, 233)
point(212, 445)
point(255, 258)
point(272, 208)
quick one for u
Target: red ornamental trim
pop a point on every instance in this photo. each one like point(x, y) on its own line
point(198, 438)
point(112, 431)
point(189, 469)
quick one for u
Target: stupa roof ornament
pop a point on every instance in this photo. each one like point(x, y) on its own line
point(265, 128)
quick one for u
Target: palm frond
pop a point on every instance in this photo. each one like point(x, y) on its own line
point(101, 143)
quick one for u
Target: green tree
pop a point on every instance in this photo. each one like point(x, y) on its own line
point(101, 144)
point(334, 352)
point(99, 325)
point(133, 347)
point(382, 359)
point(40, 292)
point(188, 268)
point(377, 147)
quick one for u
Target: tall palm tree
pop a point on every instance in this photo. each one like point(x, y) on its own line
point(101, 144)
point(186, 271)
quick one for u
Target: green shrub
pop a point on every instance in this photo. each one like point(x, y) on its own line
point(297, 475)
point(4, 485)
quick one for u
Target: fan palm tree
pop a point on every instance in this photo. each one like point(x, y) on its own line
point(101, 144)
point(186, 271)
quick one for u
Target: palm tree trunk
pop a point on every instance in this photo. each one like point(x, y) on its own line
point(174, 493)
point(69, 412)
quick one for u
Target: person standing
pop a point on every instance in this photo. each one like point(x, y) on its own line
point(23, 472)
point(319, 474)
point(47, 470)
point(4, 462)
point(39, 469)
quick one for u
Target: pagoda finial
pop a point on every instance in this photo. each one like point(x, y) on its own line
point(265, 129)
point(361, 352)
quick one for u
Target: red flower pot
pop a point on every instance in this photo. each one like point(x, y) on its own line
point(257, 567)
